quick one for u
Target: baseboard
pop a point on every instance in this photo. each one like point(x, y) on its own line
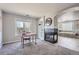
point(10, 42)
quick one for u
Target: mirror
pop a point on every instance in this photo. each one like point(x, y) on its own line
point(48, 21)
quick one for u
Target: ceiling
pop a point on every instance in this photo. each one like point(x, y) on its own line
point(35, 9)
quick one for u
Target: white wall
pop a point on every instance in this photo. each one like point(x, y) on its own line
point(9, 27)
point(0, 29)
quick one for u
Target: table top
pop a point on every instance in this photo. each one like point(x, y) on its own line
point(28, 34)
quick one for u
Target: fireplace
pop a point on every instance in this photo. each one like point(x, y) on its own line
point(51, 35)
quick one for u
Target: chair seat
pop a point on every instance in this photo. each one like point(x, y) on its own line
point(26, 38)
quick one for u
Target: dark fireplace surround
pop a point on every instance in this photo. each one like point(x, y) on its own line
point(51, 35)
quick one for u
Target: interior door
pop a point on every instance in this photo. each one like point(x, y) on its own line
point(41, 29)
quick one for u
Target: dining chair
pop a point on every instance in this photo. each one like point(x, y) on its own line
point(25, 37)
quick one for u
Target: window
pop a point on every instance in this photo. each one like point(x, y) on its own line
point(19, 25)
point(67, 26)
point(69, 22)
point(27, 26)
point(76, 26)
point(22, 26)
point(70, 26)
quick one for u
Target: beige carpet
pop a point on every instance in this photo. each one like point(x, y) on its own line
point(41, 48)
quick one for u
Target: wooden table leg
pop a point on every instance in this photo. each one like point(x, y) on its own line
point(22, 42)
point(35, 39)
point(30, 40)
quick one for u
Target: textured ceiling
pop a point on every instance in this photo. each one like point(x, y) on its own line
point(35, 9)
